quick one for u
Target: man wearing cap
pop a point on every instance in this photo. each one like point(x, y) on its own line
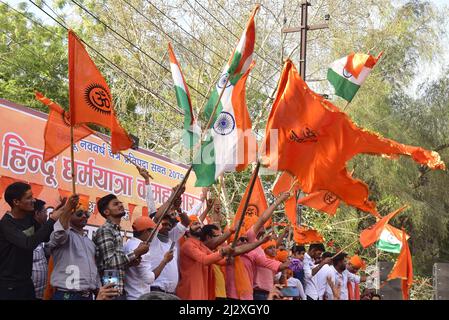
point(75, 275)
point(355, 264)
point(139, 277)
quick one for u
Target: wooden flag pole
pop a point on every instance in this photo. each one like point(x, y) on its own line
point(175, 195)
point(250, 191)
point(72, 158)
point(342, 250)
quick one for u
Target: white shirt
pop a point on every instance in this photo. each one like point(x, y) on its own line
point(321, 280)
point(138, 279)
point(342, 279)
point(293, 282)
point(310, 281)
point(168, 279)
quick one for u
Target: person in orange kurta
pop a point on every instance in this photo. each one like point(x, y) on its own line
point(197, 279)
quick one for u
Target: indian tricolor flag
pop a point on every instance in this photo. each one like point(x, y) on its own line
point(347, 74)
point(192, 131)
point(230, 144)
point(390, 240)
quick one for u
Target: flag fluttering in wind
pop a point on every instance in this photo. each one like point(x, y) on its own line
point(372, 234)
point(256, 205)
point(57, 129)
point(231, 145)
point(192, 131)
point(90, 96)
point(390, 239)
point(403, 268)
point(303, 235)
point(312, 139)
point(322, 201)
point(347, 74)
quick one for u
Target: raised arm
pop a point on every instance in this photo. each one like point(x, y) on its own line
point(282, 237)
point(214, 243)
point(269, 211)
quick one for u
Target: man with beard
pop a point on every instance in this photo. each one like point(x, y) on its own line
point(20, 234)
point(109, 253)
point(196, 266)
point(355, 263)
point(75, 275)
point(311, 268)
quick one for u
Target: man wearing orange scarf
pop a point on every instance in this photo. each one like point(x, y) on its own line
point(355, 263)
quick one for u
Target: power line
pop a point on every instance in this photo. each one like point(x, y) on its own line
point(110, 62)
point(236, 36)
point(197, 40)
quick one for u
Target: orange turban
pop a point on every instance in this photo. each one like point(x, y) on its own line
point(282, 255)
point(268, 244)
point(357, 262)
point(193, 218)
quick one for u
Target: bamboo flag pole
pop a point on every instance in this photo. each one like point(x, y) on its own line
point(250, 191)
point(342, 250)
point(72, 159)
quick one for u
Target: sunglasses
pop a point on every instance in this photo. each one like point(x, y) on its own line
point(79, 214)
point(243, 239)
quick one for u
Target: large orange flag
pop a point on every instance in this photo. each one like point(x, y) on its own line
point(90, 96)
point(303, 235)
point(312, 139)
point(322, 201)
point(287, 183)
point(372, 234)
point(256, 205)
point(57, 129)
point(403, 268)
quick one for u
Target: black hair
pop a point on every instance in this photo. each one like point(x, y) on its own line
point(298, 249)
point(376, 295)
point(156, 295)
point(103, 203)
point(326, 255)
point(207, 231)
point(15, 191)
point(338, 258)
point(317, 246)
point(39, 205)
point(137, 234)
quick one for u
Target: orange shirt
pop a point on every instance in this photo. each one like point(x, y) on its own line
point(196, 267)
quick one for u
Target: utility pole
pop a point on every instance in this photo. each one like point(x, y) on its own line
point(304, 28)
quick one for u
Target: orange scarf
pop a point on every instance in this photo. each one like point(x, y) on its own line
point(242, 282)
point(353, 294)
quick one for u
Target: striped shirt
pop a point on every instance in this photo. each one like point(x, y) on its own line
point(39, 271)
point(109, 253)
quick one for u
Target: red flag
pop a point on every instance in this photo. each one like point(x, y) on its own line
point(314, 140)
point(372, 234)
point(90, 96)
point(145, 211)
point(403, 268)
point(57, 129)
point(287, 183)
point(322, 200)
point(303, 235)
point(257, 204)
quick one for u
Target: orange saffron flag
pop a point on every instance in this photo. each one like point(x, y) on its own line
point(322, 201)
point(372, 234)
point(303, 235)
point(286, 182)
point(256, 205)
point(312, 139)
point(403, 268)
point(57, 129)
point(90, 96)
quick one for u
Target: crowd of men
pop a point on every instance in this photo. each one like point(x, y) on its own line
point(45, 254)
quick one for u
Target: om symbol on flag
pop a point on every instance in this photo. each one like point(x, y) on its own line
point(98, 98)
